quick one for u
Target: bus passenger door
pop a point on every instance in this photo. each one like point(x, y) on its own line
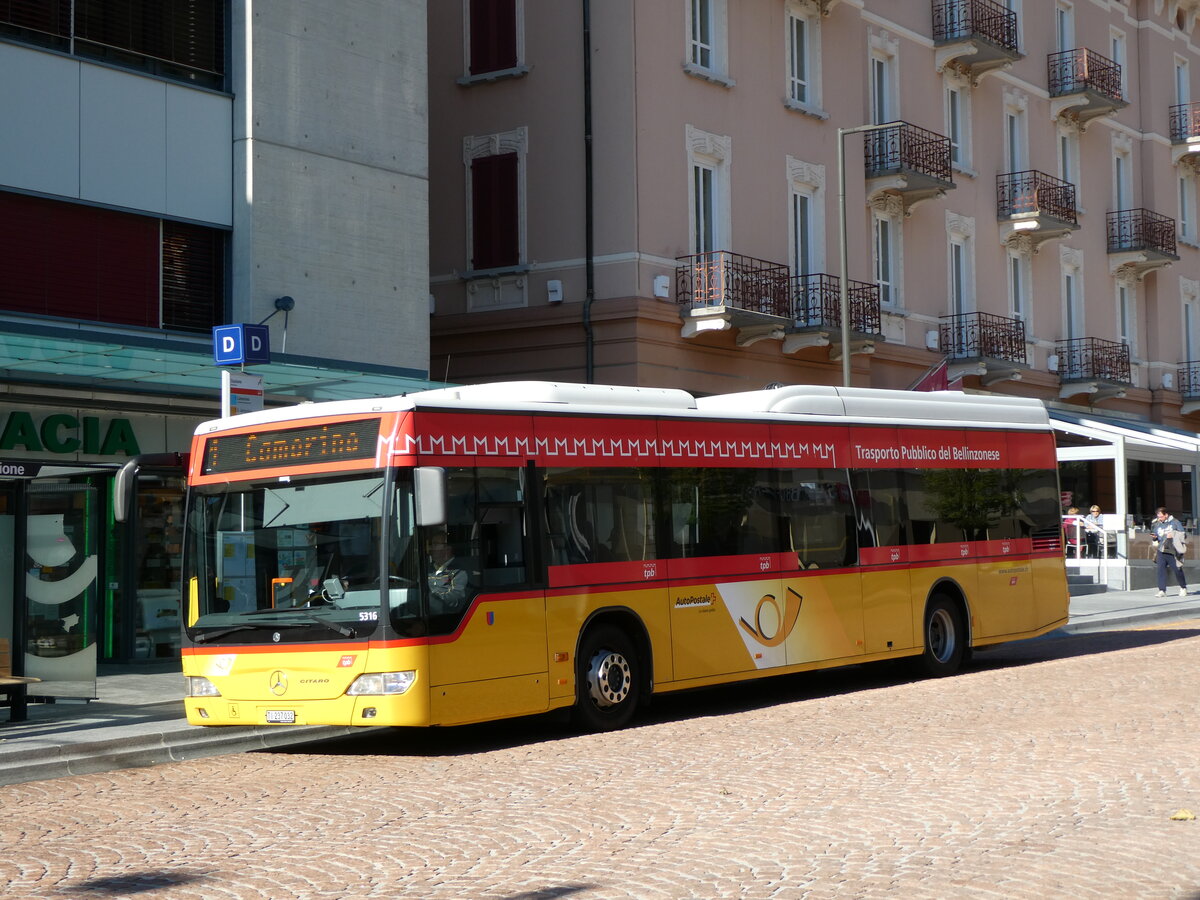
point(488, 659)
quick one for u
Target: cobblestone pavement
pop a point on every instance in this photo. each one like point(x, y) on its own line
point(1049, 768)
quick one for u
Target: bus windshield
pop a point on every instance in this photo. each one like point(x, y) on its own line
point(302, 559)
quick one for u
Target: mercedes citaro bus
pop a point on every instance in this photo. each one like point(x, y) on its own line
point(474, 553)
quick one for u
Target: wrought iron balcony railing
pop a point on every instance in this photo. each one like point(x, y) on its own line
point(961, 20)
point(1035, 193)
point(722, 278)
point(1089, 359)
point(1189, 380)
point(817, 303)
point(1185, 123)
point(1076, 71)
point(1140, 229)
point(906, 148)
point(983, 335)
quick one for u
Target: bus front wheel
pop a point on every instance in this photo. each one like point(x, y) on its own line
point(945, 637)
point(607, 680)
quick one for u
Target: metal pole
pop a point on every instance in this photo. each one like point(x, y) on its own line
point(844, 294)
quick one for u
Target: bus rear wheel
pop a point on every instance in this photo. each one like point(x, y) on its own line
point(945, 637)
point(607, 680)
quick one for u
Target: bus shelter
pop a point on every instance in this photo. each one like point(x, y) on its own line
point(1115, 447)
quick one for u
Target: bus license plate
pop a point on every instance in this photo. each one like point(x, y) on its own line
point(281, 716)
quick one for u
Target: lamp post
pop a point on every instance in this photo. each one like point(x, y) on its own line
point(844, 298)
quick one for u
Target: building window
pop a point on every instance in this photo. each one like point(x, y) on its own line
point(1072, 292)
point(804, 57)
point(1183, 84)
point(1122, 191)
point(1064, 21)
point(806, 189)
point(708, 190)
point(1189, 291)
point(958, 128)
point(1068, 159)
point(1014, 6)
point(1187, 208)
point(183, 40)
point(706, 54)
point(960, 231)
point(1015, 132)
point(495, 166)
point(1018, 285)
point(1116, 52)
point(1127, 314)
point(69, 261)
point(887, 249)
point(881, 90)
point(494, 36)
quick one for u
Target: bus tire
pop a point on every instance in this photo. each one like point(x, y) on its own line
point(945, 635)
point(608, 680)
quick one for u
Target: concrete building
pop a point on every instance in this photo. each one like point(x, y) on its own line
point(164, 169)
point(665, 211)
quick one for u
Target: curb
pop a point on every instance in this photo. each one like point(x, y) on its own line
point(42, 759)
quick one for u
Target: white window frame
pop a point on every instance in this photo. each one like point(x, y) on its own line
point(1126, 299)
point(960, 263)
point(714, 67)
point(519, 69)
point(507, 290)
point(712, 153)
point(1020, 281)
point(1064, 26)
point(1122, 174)
point(1016, 131)
point(1183, 81)
point(806, 182)
point(957, 96)
point(1187, 207)
point(1189, 319)
point(1116, 51)
point(887, 217)
point(1068, 159)
point(883, 77)
point(803, 78)
point(1071, 286)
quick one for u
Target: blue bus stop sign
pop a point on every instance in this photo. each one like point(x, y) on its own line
point(241, 345)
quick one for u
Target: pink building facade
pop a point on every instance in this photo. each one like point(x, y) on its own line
point(1026, 210)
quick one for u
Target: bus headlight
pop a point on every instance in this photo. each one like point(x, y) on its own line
point(382, 683)
point(199, 686)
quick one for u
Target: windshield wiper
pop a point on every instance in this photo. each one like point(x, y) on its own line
point(221, 632)
point(328, 623)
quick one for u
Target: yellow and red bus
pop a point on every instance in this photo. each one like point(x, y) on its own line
point(475, 553)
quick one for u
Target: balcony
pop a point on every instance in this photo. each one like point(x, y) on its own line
point(974, 37)
point(907, 161)
point(1185, 132)
point(1189, 386)
point(817, 315)
point(1139, 241)
point(1083, 86)
point(1092, 366)
point(720, 290)
point(983, 344)
point(1033, 207)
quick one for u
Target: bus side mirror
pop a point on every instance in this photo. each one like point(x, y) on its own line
point(430, 495)
point(126, 478)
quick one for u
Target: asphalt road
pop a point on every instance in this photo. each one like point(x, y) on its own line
point(1048, 768)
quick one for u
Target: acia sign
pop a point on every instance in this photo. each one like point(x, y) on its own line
point(64, 433)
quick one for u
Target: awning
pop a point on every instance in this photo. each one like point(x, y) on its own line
point(181, 365)
point(1108, 437)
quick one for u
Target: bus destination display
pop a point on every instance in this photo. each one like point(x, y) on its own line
point(291, 446)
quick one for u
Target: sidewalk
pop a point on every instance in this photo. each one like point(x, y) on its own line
point(138, 720)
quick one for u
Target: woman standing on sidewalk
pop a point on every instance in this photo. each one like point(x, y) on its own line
point(1169, 542)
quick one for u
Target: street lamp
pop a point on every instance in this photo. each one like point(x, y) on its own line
point(844, 298)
